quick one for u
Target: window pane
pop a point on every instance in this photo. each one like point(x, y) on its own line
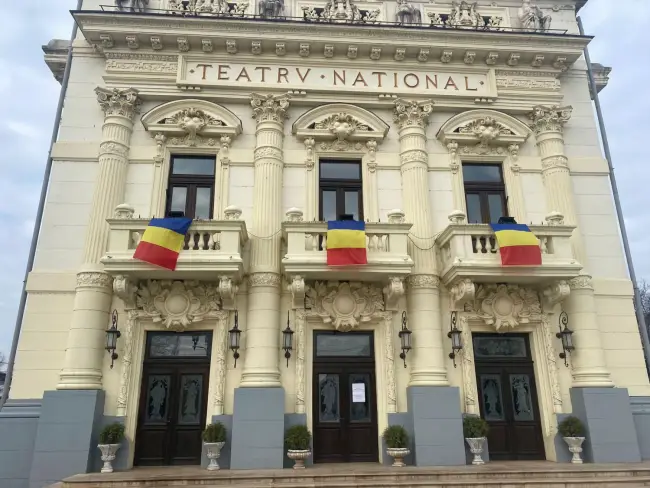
point(174, 345)
point(344, 345)
point(203, 206)
point(495, 205)
point(522, 402)
point(157, 399)
point(179, 199)
point(360, 395)
point(499, 347)
point(474, 208)
point(193, 166)
point(329, 205)
point(491, 397)
point(482, 172)
point(328, 394)
point(189, 406)
point(340, 171)
point(352, 204)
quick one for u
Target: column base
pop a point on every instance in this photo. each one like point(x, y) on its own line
point(82, 380)
point(611, 436)
point(435, 424)
point(429, 378)
point(260, 379)
point(593, 378)
point(258, 429)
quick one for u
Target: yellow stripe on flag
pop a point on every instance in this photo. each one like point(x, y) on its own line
point(516, 238)
point(346, 239)
point(164, 238)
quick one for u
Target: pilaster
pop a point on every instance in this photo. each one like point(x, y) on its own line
point(263, 327)
point(82, 367)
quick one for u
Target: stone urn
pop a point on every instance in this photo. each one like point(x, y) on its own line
point(476, 446)
point(109, 452)
point(398, 454)
point(213, 451)
point(298, 457)
point(575, 447)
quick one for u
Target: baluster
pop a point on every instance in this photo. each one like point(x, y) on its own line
point(488, 245)
point(209, 245)
point(324, 241)
point(383, 243)
point(543, 244)
point(371, 242)
point(186, 242)
point(475, 243)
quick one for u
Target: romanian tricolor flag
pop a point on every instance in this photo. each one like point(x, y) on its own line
point(518, 246)
point(162, 241)
point(346, 243)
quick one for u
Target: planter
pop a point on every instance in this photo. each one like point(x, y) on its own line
point(398, 454)
point(213, 451)
point(476, 445)
point(108, 456)
point(298, 457)
point(575, 446)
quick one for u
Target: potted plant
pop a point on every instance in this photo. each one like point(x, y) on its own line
point(475, 430)
point(397, 444)
point(573, 432)
point(297, 440)
point(214, 438)
point(110, 438)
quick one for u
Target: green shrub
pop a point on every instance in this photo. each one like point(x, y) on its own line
point(112, 434)
point(214, 433)
point(571, 427)
point(475, 427)
point(297, 438)
point(396, 437)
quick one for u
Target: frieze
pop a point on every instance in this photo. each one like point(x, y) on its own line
point(264, 279)
point(423, 281)
point(94, 279)
point(142, 56)
point(142, 66)
point(504, 306)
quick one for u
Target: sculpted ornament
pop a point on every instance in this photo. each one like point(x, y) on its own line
point(269, 107)
point(555, 293)
point(264, 279)
point(393, 291)
point(504, 306)
point(407, 13)
point(271, 9)
point(131, 5)
point(486, 129)
point(462, 292)
point(344, 305)
point(423, 281)
point(342, 125)
point(549, 118)
point(412, 113)
point(192, 121)
point(464, 15)
point(297, 289)
point(532, 18)
point(582, 282)
point(94, 279)
point(118, 102)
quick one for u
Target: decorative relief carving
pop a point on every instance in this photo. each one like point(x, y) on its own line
point(300, 360)
point(582, 282)
point(127, 360)
point(269, 107)
point(132, 42)
point(267, 152)
point(107, 41)
point(506, 81)
point(400, 54)
point(218, 8)
point(469, 376)
point(219, 361)
point(304, 50)
point(193, 121)
point(504, 306)
point(114, 148)
point(391, 390)
point(256, 47)
point(344, 305)
point(119, 102)
point(353, 52)
point(280, 48)
point(183, 44)
point(310, 160)
point(549, 118)
point(412, 113)
point(340, 146)
point(206, 45)
point(423, 281)
point(555, 293)
point(551, 360)
point(156, 43)
point(228, 292)
point(298, 291)
point(372, 155)
point(342, 125)
point(470, 57)
point(532, 18)
point(340, 11)
point(94, 279)
point(555, 162)
point(375, 53)
point(393, 291)
point(126, 289)
point(485, 129)
point(446, 56)
point(231, 46)
point(264, 279)
point(423, 55)
point(454, 164)
point(462, 292)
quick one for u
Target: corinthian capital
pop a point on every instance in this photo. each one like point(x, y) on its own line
point(549, 118)
point(119, 102)
point(412, 113)
point(269, 107)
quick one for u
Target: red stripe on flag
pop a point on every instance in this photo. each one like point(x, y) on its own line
point(346, 256)
point(157, 255)
point(521, 256)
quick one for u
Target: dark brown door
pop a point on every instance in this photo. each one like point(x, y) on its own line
point(173, 399)
point(508, 396)
point(344, 398)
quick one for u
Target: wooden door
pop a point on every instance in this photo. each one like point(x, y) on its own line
point(508, 396)
point(345, 406)
point(173, 405)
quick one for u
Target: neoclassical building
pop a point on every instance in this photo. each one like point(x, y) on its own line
point(263, 121)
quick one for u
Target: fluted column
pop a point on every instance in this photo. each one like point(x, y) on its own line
point(422, 298)
point(263, 322)
point(82, 368)
point(589, 367)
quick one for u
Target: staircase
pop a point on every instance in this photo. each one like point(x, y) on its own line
point(505, 475)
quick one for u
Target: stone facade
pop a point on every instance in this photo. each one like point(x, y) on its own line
point(270, 99)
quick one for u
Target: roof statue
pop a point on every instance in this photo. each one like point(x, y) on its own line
point(131, 5)
point(464, 15)
point(532, 18)
point(271, 9)
point(407, 13)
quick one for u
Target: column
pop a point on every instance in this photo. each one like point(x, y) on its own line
point(588, 361)
point(82, 368)
point(423, 300)
point(263, 322)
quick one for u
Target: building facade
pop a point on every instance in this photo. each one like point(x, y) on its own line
point(262, 121)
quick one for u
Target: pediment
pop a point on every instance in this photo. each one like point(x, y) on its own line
point(483, 127)
point(342, 122)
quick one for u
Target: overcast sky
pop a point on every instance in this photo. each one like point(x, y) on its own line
point(29, 95)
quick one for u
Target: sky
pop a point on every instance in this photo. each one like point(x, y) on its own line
point(29, 94)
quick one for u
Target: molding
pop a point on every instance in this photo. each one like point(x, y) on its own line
point(504, 307)
point(340, 122)
point(423, 281)
point(264, 279)
point(477, 131)
point(94, 279)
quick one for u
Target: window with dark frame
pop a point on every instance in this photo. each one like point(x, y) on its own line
point(341, 196)
point(190, 190)
point(485, 193)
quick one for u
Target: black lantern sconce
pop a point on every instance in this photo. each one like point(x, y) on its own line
point(287, 341)
point(405, 339)
point(566, 336)
point(456, 338)
point(234, 335)
point(112, 335)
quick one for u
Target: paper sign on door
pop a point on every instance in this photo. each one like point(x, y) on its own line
point(358, 393)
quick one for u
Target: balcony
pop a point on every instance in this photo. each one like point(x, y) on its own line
point(213, 248)
point(471, 251)
point(307, 250)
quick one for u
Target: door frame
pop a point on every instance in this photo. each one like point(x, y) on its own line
point(550, 375)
